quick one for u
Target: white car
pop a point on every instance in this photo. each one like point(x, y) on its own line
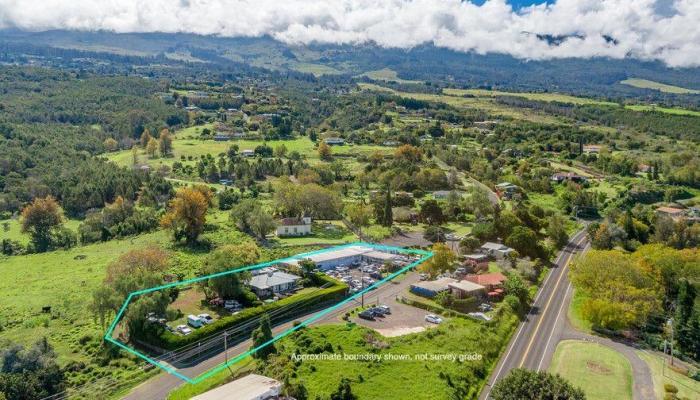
point(433, 319)
point(479, 315)
point(206, 318)
point(184, 329)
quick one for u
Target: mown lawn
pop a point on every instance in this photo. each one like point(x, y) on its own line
point(663, 375)
point(600, 371)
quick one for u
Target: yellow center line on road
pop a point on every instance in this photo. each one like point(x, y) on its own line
point(546, 307)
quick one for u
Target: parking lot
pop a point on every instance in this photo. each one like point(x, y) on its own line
point(358, 276)
point(403, 320)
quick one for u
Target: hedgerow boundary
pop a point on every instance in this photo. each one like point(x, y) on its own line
point(425, 255)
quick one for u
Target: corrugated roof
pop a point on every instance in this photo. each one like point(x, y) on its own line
point(495, 278)
point(250, 387)
point(467, 286)
point(265, 281)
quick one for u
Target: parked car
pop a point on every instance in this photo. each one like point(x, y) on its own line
point(184, 329)
point(378, 312)
point(433, 319)
point(367, 314)
point(194, 321)
point(206, 318)
point(423, 277)
point(232, 305)
point(385, 308)
point(479, 315)
point(485, 307)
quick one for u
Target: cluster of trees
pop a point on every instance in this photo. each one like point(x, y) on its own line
point(231, 286)
point(522, 383)
point(30, 373)
point(631, 228)
point(117, 220)
point(52, 153)
point(311, 199)
point(134, 270)
point(642, 290)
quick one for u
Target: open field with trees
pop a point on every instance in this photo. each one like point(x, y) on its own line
point(125, 171)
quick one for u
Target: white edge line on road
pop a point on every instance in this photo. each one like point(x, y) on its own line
point(522, 324)
point(551, 334)
point(561, 307)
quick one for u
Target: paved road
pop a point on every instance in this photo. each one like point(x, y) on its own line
point(529, 344)
point(158, 387)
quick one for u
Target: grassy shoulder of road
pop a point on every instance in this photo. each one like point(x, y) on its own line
point(600, 371)
point(187, 391)
point(663, 375)
point(575, 312)
point(662, 87)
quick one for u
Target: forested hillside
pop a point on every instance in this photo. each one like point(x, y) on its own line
point(53, 123)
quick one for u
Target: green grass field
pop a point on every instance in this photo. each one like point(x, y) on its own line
point(665, 110)
point(315, 69)
point(647, 84)
point(558, 97)
point(601, 372)
point(486, 104)
point(386, 74)
point(662, 375)
point(326, 232)
point(14, 229)
point(390, 379)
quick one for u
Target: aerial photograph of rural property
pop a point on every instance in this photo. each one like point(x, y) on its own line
point(350, 200)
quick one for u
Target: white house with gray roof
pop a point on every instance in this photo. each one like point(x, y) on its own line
point(272, 283)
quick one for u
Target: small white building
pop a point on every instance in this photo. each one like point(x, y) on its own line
point(294, 227)
point(250, 387)
point(496, 250)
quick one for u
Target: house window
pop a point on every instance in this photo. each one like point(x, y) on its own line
point(295, 229)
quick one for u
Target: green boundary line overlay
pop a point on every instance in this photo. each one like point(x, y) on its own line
point(173, 371)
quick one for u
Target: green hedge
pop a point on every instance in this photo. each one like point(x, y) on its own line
point(170, 341)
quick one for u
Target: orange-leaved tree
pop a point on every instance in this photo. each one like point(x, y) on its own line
point(186, 214)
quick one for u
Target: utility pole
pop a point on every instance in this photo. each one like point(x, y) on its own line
point(670, 325)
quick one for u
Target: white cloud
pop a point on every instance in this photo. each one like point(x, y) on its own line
point(640, 28)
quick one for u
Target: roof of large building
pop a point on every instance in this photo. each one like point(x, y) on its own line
point(250, 387)
point(349, 251)
point(495, 278)
point(467, 286)
point(265, 281)
point(437, 285)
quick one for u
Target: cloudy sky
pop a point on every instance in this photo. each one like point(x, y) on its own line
point(667, 30)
